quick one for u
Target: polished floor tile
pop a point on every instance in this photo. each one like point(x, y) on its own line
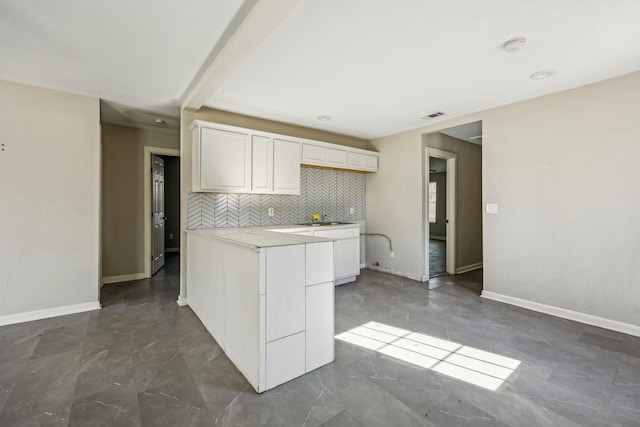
point(407, 354)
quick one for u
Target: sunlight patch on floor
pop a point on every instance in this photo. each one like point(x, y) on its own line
point(478, 367)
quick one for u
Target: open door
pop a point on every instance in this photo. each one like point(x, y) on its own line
point(157, 170)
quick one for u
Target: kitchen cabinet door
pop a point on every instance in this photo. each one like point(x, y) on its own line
point(313, 155)
point(363, 162)
point(224, 160)
point(261, 164)
point(347, 257)
point(285, 359)
point(286, 167)
point(285, 284)
point(336, 158)
point(320, 325)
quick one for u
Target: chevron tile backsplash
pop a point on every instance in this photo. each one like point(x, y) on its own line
point(323, 191)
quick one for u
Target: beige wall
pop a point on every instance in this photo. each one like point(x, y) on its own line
point(559, 167)
point(49, 200)
point(123, 197)
point(468, 196)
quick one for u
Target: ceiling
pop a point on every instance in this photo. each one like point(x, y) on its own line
point(376, 67)
point(470, 132)
point(140, 55)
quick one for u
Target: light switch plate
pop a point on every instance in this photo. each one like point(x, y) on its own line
point(492, 208)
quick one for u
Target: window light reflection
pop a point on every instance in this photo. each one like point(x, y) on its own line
point(478, 367)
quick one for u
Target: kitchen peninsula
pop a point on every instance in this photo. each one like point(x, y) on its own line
point(266, 297)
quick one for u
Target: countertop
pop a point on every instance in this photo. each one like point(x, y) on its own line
point(265, 236)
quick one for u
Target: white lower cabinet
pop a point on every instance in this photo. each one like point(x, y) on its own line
point(347, 258)
point(285, 359)
point(320, 325)
point(264, 305)
point(347, 252)
point(285, 282)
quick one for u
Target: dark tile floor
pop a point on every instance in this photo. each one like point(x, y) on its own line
point(437, 257)
point(143, 360)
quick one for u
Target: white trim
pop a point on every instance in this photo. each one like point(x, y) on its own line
point(182, 301)
point(614, 325)
point(469, 267)
point(171, 250)
point(437, 238)
point(122, 278)
point(10, 319)
point(363, 265)
point(148, 152)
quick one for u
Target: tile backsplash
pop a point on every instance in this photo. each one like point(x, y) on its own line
point(327, 192)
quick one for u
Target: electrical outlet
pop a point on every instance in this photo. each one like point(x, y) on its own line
point(351, 210)
point(392, 254)
point(271, 211)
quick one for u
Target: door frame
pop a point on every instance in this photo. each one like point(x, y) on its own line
point(450, 211)
point(148, 224)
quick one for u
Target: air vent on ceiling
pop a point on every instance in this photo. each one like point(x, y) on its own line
point(433, 115)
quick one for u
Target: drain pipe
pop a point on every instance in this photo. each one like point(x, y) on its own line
point(391, 254)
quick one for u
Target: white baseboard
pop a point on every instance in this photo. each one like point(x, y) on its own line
point(28, 316)
point(182, 301)
point(394, 272)
point(469, 267)
point(363, 265)
point(437, 238)
point(123, 278)
point(577, 316)
point(171, 250)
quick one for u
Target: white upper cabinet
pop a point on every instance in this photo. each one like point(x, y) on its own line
point(227, 159)
point(313, 155)
point(362, 161)
point(262, 164)
point(286, 167)
point(336, 156)
point(221, 161)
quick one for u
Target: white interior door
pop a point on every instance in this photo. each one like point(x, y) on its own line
point(157, 201)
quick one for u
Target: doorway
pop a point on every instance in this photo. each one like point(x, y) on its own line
point(443, 163)
point(437, 212)
point(161, 206)
point(457, 161)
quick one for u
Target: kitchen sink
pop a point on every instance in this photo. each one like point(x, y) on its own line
point(320, 224)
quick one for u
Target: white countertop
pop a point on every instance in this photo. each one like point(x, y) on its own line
point(265, 236)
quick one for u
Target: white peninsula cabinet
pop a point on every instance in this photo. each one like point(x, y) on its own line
point(347, 246)
point(267, 299)
point(229, 159)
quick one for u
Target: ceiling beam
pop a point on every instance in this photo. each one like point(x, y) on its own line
point(254, 22)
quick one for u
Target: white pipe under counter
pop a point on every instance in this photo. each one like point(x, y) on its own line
point(267, 298)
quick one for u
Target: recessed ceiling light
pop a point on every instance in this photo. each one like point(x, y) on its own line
point(513, 45)
point(159, 122)
point(542, 74)
point(324, 117)
point(475, 137)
